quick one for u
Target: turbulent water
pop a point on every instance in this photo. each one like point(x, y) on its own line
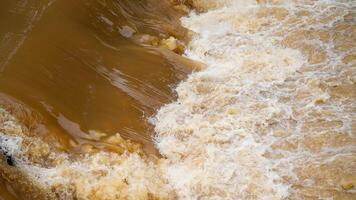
point(73, 63)
point(271, 115)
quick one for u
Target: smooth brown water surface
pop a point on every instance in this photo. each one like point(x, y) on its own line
point(68, 62)
point(271, 116)
point(70, 67)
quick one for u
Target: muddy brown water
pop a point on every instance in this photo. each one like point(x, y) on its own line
point(72, 65)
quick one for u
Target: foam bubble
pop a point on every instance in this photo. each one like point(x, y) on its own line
point(270, 117)
point(261, 121)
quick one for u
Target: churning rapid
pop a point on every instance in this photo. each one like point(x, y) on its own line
point(270, 115)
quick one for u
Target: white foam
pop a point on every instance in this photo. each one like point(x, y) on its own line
point(264, 120)
point(221, 136)
point(100, 175)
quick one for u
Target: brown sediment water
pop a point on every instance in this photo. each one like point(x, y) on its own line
point(5, 192)
point(69, 62)
point(71, 71)
point(270, 116)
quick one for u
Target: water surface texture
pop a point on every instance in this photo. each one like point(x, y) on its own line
point(69, 61)
point(70, 71)
point(271, 114)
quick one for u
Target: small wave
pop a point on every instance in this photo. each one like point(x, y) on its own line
point(271, 116)
point(263, 121)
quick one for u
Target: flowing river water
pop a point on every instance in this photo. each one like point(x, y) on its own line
point(200, 99)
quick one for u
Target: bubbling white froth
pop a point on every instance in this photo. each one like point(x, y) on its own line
point(46, 173)
point(264, 119)
point(272, 116)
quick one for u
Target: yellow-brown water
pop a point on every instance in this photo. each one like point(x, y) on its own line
point(68, 61)
point(270, 116)
point(74, 70)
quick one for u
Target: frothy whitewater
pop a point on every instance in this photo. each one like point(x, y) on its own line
point(271, 116)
